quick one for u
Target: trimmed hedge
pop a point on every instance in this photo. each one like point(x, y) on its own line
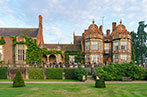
point(54, 73)
point(117, 71)
point(69, 73)
point(18, 80)
point(100, 83)
point(36, 73)
point(3, 73)
point(79, 72)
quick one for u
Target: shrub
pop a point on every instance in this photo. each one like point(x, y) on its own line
point(18, 80)
point(100, 83)
point(36, 73)
point(3, 73)
point(54, 73)
point(117, 71)
point(79, 72)
point(69, 73)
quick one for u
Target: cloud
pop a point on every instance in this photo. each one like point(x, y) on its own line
point(117, 8)
point(133, 8)
point(55, 31)
point(131, 15)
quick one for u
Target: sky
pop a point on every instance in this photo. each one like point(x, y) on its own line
point(63, 17)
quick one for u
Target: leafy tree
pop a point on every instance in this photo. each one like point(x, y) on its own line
point(133, 52)
point(139, 43)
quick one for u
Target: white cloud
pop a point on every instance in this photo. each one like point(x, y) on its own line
point(133, 8)
point(131, 23)
point(117, 8)
point(55, 31)
point(131, 15)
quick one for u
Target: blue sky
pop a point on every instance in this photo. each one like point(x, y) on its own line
point(63, 17)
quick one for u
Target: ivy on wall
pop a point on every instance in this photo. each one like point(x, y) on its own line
point(79, 56)
point(34, 53)
point(2, 41)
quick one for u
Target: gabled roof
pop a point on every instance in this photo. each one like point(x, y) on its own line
point(7, 32)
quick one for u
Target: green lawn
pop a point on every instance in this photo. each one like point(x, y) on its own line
point(75, 90)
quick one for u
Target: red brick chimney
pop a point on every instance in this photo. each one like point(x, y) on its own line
point(108, 32)
point(113, 26)
point(40, 34)
point(40, 21)
point(101, 28)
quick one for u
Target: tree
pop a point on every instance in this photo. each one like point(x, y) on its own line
point(139, 43)
point(133, 52)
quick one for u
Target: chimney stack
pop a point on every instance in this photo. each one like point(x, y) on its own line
point(108, 32)
point(40, 21)
point(113, 26)
point(40, 36)
point(101, 28)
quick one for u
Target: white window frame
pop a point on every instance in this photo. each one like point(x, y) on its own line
point(1, 52)
point(94, 45)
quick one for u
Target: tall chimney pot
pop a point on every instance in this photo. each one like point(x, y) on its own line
point(113, 26)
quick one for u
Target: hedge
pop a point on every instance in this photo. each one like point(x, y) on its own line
point(3, 73)
point(79, 72)
point(69, 73)
point(117, 71)
point(36, 73)
point(18, 80)
point(54, 73)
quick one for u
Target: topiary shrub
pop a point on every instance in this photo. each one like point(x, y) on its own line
point(54, 73)
point(36, 73)
point(69, 73)
point(18, 80)
point(3, 73)
point(79, 72)
point(100, 83)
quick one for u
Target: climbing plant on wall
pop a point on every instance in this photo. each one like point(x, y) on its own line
point(79, 56)
point(2, 41)
point(34, 53)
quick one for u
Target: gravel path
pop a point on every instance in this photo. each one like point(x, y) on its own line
point(61, 82)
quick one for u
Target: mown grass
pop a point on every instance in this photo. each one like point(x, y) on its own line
point(75, 90)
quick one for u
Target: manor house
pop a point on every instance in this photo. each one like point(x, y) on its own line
point(114, 47)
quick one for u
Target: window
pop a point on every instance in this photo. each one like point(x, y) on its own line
point(129, 46)
point(94, 45)
point(116, 59)
point(72, 58)
point(87, 58)
point(21, 52)
point(1, 52)
point(87, 45)
point(101, 45)
point(123, 45)
point(116, 45)
point(106, 47)
point(123, 58)
point(94, 58)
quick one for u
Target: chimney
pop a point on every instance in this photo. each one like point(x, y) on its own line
point(40, 21)
point(101, 28)
point(40, 36)
point(113, 26)
point(108, 32)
